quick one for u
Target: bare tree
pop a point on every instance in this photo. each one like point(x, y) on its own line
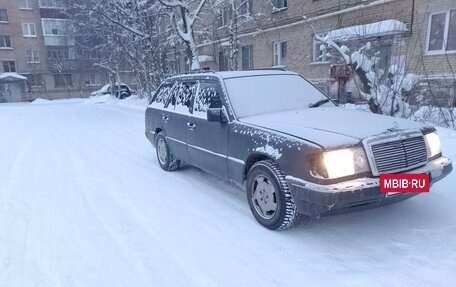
point(233, 15)
point(133, 33)
point(183, 14)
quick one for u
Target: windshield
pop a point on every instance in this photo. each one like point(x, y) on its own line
point(271, 93)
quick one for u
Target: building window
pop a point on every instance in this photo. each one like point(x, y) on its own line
point(33, 56)
point(61, 53)
point(82, 53)
point(442, 32)
point(28, 30)
point(320, 52)
point(25, 4)
point(93, 79)
point(9, 66)
point(280, 53)
point(280, 4)
point(51, 4)
point(5, 41)
point(247, 57)
point(224, 59)
point(3, 15)
point(33, 81)
point(247, 7)
point(224, 16)
point(63, 80)
point(53, 27)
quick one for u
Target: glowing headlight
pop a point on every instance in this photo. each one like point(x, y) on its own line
point(340, 163)
point(433, 145)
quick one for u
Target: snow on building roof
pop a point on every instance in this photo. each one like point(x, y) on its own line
point(11, 77)
point(205, 58)
point(376, 29)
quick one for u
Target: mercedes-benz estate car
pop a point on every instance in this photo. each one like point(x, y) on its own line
point(292, 149)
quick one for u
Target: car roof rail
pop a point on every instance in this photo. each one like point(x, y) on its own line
point(269, 68)
point(199, 71)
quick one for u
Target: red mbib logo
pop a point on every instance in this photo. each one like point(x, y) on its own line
point(404, 182)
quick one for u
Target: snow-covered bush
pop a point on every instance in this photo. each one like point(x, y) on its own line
point(444, 117)
point(388, 89)
point(385, 91)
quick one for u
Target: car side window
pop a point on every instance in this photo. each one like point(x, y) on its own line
point(208, 97)
point(182, 94)
point(162, 97)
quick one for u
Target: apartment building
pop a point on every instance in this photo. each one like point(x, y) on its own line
point(37, 40)
point(411, 36)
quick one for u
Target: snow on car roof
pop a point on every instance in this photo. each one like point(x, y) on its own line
point(237, 74)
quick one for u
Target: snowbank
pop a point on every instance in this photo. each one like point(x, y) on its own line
point(442, 117)
point(41, 101)
point(362, 107)
point(133, 101)
point(101, 99)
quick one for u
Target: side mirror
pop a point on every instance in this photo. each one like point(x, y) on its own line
point(217, 115)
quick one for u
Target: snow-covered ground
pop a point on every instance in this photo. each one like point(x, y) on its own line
point(83, 202)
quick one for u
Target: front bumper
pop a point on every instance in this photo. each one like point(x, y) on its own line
point(320, 200)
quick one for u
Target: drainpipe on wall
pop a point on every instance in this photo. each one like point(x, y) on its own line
point(412, 19)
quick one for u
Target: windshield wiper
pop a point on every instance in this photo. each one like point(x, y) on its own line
point(319, 103)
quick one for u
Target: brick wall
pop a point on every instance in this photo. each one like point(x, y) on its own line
point(288, 25)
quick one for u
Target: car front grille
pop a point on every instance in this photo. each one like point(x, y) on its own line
point(399, 155)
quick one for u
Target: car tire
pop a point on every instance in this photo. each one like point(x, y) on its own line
point(165, 157)
point(269, 196)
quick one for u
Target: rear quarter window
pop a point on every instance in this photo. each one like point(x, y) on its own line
point(162, 97)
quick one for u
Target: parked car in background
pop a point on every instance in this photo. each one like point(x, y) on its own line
point(120, 91)
point(290, 146)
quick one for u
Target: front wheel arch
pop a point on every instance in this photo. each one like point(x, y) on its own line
point(252, 159)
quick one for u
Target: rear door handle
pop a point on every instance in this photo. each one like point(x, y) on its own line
point(191, 126)
point(165, 118)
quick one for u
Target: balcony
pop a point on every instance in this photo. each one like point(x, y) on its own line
point(71, 64)
point(58, 32)
point(59, 40)
point(52, 4)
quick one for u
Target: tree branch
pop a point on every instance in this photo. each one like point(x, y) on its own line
point(117, 22)
point(197, 11)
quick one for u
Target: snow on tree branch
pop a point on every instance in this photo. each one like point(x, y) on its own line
point(386, 88)
point(181, 9)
